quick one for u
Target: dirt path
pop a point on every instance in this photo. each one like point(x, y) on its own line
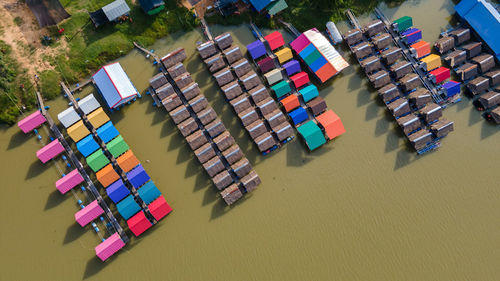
point(25, 39)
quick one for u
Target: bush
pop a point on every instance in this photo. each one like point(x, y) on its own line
point(18, 21)
point(49, 84)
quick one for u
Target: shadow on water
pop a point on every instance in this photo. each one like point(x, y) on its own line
point(167, 129)
point(298, 154)
point(54, 200)
point(372, 111)
point(184, 154)
point(73, 232)
point(488, 129)
point(193, 167)
point(158, 117)
point(175, 142)
point(95, 265)
point(37, 168)
point(17, 139)
point(404, 157)
point(474, 116)
point(220, 208)
point(381, 127)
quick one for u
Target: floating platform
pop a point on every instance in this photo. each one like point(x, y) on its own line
point(31, 122)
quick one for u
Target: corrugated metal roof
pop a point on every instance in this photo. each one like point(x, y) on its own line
point(260, 4)
point(116, 9)
point(276, 7)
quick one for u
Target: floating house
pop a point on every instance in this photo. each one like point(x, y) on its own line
point(107, 132)
point(109, 246)
point(89, 104)
point(114, 85)
point(69, 181)
point(128, 207)
point(97, 160)
point(484, 18)
point(88, 213)
point(87, 145)
point(152, 7)
point(117, 191)
point(139, 223)
point(138, 176)
point(149, 192)
point(111, 12)
point(312, 135)
point(331, 124)
point(50, 151)
point(159, 208)
point(272, 7)
point(107, 175)
point(77, 131)
point(117, 146)
point(31, 122)
point(68, 117)
point(98, 117)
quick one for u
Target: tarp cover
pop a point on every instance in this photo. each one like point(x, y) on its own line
point(47, 12)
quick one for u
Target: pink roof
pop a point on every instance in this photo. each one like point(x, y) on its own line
point(89, 213)
point(50, 151)
point(69, 181)
point(300, 43)
point(32, 121)
point(275, 40)
point(139, 223)
point(109, 246)
point(300, 79)
point(159, 208)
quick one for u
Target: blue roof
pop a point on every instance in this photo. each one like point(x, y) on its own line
point(138, 176)
point(107, 132)
point(148, 192)
point(87, 145)
point(117, 191)
point(485, 20)
point(260, 4)
point(298, 116)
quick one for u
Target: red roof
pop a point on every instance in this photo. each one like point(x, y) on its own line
point(138, 223)
point(331, 123)
point(275, 40)
point(300, 79)
point(159, 208)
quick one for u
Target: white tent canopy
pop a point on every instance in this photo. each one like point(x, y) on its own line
point(116, 9)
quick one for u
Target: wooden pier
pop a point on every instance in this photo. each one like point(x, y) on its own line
point(76, 163)
point(81, 86)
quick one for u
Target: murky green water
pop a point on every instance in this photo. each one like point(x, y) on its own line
point(363, 207)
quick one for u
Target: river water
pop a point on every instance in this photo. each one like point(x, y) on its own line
point(363, 207)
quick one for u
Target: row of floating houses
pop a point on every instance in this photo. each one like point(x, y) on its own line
point(398, 84)
point(215, 148)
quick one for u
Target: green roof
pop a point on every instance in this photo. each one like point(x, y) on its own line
point(97, 160)
point(312, 135)
point(117, 146)
point(281, 89)
point(404, 23)
point(276, 7)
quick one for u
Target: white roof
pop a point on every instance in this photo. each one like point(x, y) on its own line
point(116, 9)
point(326, 49)
point(89, 104)
point(68, 117)
point(114, 85)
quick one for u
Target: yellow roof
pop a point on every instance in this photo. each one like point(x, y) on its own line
point(77, 131)
point(284, 55)
point(98, 117)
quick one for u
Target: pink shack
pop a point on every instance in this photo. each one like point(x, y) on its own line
point(50, 151)
point(159, 208)
point(31, 122)
point(69, 181)
point(88, 213)
point(109, 246)
point(138, 223)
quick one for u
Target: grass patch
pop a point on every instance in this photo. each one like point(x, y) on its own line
point(49, 84)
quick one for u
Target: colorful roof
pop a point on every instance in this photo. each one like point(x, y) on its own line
point(98, 117)
point(331, 123)
point(300, 79)
point(275, 40)
point(78, 131)
point(290, 103)
point(138, 176)
point(50, 151)
point(276, 7)
point(259, 5)
point(312, 135)
point(127, 161)
point(114, 85)
point(292, 67)
point(280, 89)
point(88, 213)
point(87, 145)
point(299, 115)
point(309, 92)
point(117, 191)
point(107, 132)
point(31, 121)
point(149, 192)
point(256, 49)
point(97, 160)
point(109, 246)
point(128, 207)
point(107, 175)
point(69, 181)
point(139, 223)
point(117, 146)
point(159, 208)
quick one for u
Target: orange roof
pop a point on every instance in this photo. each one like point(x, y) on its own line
point(290, 103)
point(107, 175)
point(127, 161)
point(331, 123)
point(325, 72)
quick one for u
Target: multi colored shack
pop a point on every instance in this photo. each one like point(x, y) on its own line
point(271, 7)
point(318, 54)
point(114, 85)
point(298, 97)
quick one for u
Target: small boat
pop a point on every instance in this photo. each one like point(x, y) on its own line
point(333, 33)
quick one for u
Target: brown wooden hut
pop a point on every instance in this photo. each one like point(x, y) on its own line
point(250, 80)
point(176, 70)
point(242, 167)
point(267, 106)
point(215, 63)
point(256, 129)
point(183, 80)
point(461, 35)
point(233, 154)
point(207, 115)
point(171, 102)
point(400, 69)
point(250, 181)
point(215, 128)
point(232, 90)
point(478, 85)
point(241, 103)
point(241, 67)
point(467, 71)
point(206, 49)
point(204, 152)
point(495, 115)
point(198, 103)
point(379, 79)
point(362, 50)
point(157, 81)
point(224, 76)
point(494, 77)
point(445, 44)
point(171, 59)
point(373, 28)
point(224, 141)
point(472, 49)
point(410, 82)
point(233, 54)
point(485, 62)
point(231, 194)
point(190, 91)
point(382, 40)
point(224, 40)
point(259, 93)
point(187, 126)
point(490, 99)
point(370, 64)
point(420, 97)
point(265, 141)
point(391, 55)
point(248, 116)
point(399, 107)
point(196, 140)
point(222, 180)
point(275, 118)
point(431, 112)
point(456, 58)
point(353, 36)
point(213, 166)
point(388, 92)
point(317, 105)
point(164, 91)
point(441, 128)
point(179, 114)
point(409, 123)
point(420, 139)
point(283, 131)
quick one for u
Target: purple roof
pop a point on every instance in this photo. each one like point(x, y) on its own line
point(138, 176)
point(292, 67)
point(117, 191)
point(256, 49)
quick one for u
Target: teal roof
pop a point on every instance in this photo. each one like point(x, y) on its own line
point(128, 207)
point(276, 7)
point(148, 192)
point(281, 89)
point(308, 93)
point(312, 135)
